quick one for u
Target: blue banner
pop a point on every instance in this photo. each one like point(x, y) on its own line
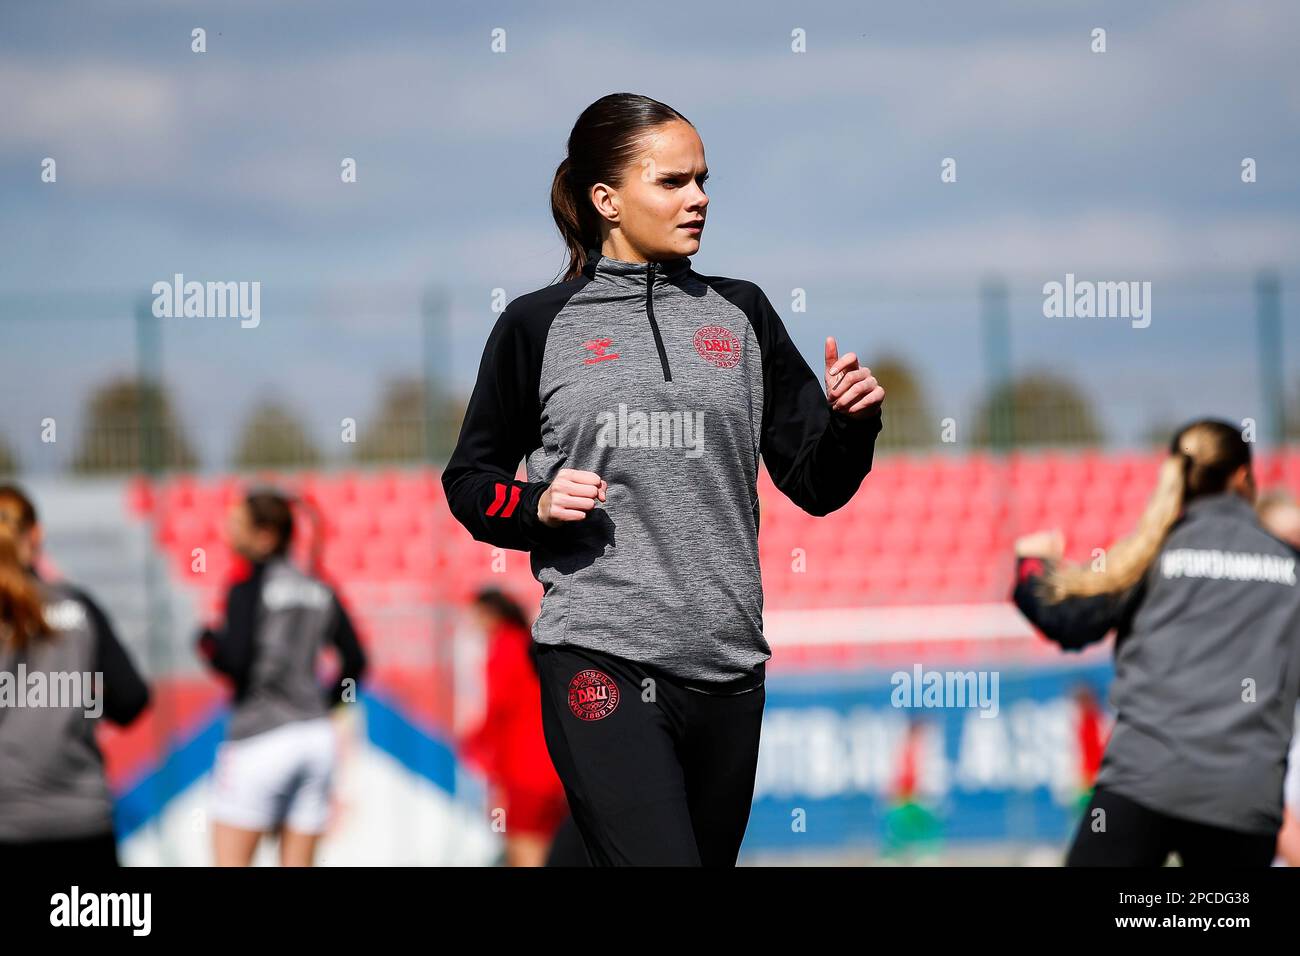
point(927, 757)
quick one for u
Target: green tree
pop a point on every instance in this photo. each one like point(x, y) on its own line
point(1157, 433)
point(129, 426)
point(1291, 411)
point(274, 437)
point(8, 459)
point(405, 427)
point(1042, 410)
point(908, 422)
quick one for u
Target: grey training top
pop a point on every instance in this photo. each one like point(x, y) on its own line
point(669, 385)
point(277, 623)
point(1207, 668)
point(52, 783)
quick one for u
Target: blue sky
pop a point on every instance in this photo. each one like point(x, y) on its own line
point(825, 176)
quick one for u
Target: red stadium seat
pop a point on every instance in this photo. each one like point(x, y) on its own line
point(926, 528)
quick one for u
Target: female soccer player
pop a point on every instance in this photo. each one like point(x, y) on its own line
point(508, 744)
point(641, 394)
point(275, 770)
point(1206, 610)
point(55, 806)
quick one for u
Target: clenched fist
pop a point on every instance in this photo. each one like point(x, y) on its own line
point(570, 496)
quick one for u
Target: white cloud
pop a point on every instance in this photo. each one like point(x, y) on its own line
point(101, 122)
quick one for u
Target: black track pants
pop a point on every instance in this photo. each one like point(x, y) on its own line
point(1136, 835)
point(91, 852)
point(656, 774)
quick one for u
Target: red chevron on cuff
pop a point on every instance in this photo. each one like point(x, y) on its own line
point(500, 498)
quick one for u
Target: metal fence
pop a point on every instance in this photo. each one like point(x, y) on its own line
point(95, 384)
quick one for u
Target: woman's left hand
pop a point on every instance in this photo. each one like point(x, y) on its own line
point(851, 389)
point(1041, 544)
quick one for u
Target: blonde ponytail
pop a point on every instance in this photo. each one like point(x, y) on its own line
point(1203, 457)
point(1127, 560)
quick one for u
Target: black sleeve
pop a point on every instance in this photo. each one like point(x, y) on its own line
point(1075, 622)
point(230, 650)
point(125, 692)
point(352, 659)
point(815, 455)
point(501, 426)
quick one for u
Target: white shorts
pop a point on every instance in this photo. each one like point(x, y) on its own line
point(282, 777)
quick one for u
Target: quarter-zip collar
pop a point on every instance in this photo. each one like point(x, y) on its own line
point(602, 268)
point(638, 279)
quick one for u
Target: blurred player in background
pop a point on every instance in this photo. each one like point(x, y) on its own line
point(1090, 741)
point(913, 826)
point(1280, 516)
point(55, 805)
point(274, 773)
point(508, 745)
point(1207, 662)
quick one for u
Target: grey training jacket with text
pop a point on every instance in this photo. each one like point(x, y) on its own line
point(1207, 667)
point(52, 783)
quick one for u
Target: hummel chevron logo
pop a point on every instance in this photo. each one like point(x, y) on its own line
point(500, 499)
point(598, 346)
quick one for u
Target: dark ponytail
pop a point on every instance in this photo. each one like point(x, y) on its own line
point(604, 140)
point(270, 510)
point(22, 612)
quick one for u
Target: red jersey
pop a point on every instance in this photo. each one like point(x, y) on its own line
point(509, 745)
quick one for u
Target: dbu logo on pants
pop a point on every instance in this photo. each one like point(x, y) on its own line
point(592, 695)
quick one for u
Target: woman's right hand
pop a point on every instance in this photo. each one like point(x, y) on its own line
point(570, 496)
